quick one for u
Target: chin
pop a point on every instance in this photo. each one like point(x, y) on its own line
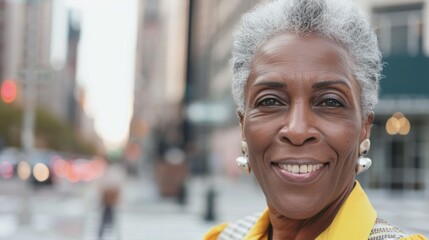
point(297, 208)
point(301, 214)
point(298, 213)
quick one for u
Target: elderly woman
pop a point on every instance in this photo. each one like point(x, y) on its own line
point(306, 76)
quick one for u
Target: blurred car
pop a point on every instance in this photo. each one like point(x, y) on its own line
point(40, 162)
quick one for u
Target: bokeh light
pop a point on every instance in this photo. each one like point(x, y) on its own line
point(6, 170)
point(23, 170)
point(398, 124)
point(72, 174)
point(41, 172)
point(60, 167)
point(8, 91)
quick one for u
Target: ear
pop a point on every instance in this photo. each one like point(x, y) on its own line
point(366, 126)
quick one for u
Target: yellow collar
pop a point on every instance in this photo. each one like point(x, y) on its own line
point(354, 220)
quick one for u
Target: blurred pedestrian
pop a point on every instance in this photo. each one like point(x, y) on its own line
point(110, 188)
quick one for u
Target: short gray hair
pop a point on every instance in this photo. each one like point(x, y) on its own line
point(339, 20)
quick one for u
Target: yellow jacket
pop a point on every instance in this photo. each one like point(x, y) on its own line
point(354, 221)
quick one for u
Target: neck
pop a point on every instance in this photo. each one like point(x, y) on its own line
point(301, 229)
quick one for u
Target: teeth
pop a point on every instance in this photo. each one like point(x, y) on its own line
point(302, 169)
point(295, 169)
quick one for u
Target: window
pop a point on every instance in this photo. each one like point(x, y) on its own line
point(399, 29)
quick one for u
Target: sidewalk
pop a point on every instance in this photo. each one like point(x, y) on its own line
point(144, 215)
point(51, 215)
point(407, 210)
point(147, 215)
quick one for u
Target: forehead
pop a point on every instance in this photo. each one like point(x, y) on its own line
point(289, 52)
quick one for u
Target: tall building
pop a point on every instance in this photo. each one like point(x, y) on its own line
point(26, 46)
point(183, 65)
point(160, 73)
point(183, 77)
point(212, 127)
point(13, 41)
point(71, 102)
point(27, 41)
point(2, 36)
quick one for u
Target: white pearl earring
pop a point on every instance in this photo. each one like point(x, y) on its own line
point(363, 163)
point(243, 161)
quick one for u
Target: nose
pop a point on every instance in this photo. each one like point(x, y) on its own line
point(299, 126)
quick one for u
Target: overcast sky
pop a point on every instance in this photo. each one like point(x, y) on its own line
point(106, 63)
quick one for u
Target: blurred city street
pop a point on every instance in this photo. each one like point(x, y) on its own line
point(149, 90)
point(71, 212)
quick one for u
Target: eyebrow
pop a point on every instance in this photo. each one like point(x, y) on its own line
point(329, 83)
point(271, 84)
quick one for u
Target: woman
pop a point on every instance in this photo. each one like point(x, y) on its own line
point(306, 78)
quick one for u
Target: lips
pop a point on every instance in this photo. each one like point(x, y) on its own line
point(300, 172)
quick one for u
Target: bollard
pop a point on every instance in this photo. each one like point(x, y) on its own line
point(182, 196)
point(210, 205)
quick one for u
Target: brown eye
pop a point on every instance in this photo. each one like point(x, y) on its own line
point(269, 102)
point(331, 102)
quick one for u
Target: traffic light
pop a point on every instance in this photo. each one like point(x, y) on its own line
point(8, 91)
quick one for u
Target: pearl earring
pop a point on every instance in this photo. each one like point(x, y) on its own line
point(363, 163)
point(243, 161)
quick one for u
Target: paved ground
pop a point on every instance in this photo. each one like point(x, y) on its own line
point(71, 212)
point(409, 211)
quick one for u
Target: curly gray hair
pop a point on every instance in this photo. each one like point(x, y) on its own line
point(339, 20)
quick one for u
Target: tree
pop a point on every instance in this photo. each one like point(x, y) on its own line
point(50, 132)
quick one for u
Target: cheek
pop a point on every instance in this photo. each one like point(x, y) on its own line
point(344, 140)
point(259, 135)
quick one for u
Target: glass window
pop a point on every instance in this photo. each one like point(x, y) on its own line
point(399, 30)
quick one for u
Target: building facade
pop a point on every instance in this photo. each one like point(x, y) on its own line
point(213, 126)
point(27, 39)
point(27, 48)
point(400, 134)
point(160, 79)
point(2, 35)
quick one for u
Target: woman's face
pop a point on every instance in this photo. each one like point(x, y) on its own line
point(302, 123)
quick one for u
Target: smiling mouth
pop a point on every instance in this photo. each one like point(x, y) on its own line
point(296, 173)
point(300, 169)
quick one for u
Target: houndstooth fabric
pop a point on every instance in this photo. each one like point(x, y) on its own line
point(239, 229)
point(382, 230)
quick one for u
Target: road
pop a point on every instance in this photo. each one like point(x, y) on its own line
point(71, 212)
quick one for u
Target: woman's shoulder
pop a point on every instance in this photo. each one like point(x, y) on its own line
point(384, 230)
point(414, 237)
point(235, 230)
point(214, 232)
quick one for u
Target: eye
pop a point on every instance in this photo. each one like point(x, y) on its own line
point(267, 102)
point(331, 102)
